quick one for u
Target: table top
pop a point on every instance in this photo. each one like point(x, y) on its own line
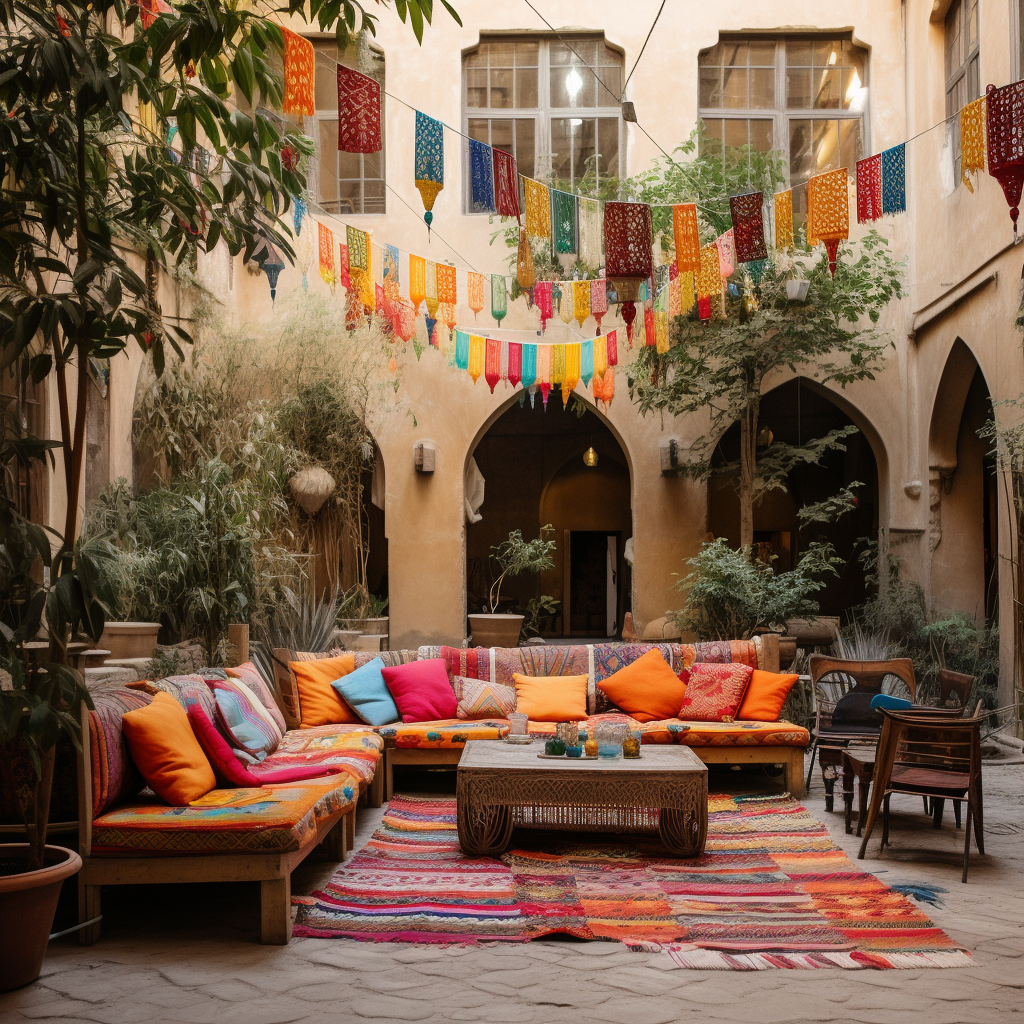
point(860, 755)
point(511, 757)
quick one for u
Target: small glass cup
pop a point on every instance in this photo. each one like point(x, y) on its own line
point(631, 744)
point(575, 751)
point(518, 728)
point(590, 747)
point(554, 747)
point(610, 736)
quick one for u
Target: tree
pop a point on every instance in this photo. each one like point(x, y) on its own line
point(95, 200)
point(719, 367)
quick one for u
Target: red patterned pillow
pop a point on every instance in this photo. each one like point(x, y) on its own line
point(714, 692)
point(480, 699)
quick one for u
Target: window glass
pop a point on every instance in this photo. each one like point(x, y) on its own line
point(963, 78)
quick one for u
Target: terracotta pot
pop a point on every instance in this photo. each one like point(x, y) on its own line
point(495, 630)
point(130, 639)
point(28, 901)
point(376, 627)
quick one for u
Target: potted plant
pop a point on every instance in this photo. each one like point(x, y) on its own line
point(41, 705)
point(511, 557)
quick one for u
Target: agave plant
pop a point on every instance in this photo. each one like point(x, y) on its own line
point(304, 622)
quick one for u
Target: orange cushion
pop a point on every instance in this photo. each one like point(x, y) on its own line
point(167, 752)
point(551, 698)
point(766, 693)
point(647, 689)
point(319, 702)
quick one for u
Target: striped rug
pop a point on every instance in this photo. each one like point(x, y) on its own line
point(771, 891)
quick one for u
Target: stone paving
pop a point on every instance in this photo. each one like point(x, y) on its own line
point(190, 954)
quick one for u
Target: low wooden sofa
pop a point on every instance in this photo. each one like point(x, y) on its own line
point(438, 744)
point(127, 837)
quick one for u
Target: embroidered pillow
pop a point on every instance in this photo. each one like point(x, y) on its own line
point(480, 699)
point(244, 720)
point(714, 692)
point(250, 675)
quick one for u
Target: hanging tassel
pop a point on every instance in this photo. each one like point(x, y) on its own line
point(586, 362)
point(429, 163)
point(649, 334)
point(462, 350)
point(477, 354)
point(598, 300)
point(612, 347)
point(542, 295)
point(571, 374)
point(417, 281)
point(514, 371)
point(475, 290)
point(492, 363)
point(499, 298)
point(528, 371)
point(581, 301)
point(628, 313)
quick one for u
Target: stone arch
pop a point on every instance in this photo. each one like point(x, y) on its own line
point(948, 406)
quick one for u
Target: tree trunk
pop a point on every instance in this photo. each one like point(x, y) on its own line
point(748, 469)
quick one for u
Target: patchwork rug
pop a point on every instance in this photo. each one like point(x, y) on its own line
point(771, 891)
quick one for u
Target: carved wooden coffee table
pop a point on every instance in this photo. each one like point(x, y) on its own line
point(502, 786)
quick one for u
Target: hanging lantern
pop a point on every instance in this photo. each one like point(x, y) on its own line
point(586, 362)
point(590, 457)
point(417, 281)
point(628, 237)
point(499, 298)
point(528, 371)
point(748, 226)
point(271, 265)
point(687, 237)
point(429, 162)
point(492, 363)
point(475, 290)
point(299, 210)
point(477, 352)
point(784, 219)
point(431, 289)
point(571, 372)
point(542, 295)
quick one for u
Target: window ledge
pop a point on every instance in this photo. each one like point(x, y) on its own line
point(939, 9)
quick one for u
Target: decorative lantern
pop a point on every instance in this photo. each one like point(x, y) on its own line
point(538, 208)
point(828, 211)
point(784, 219)
point(417, 281)
point(598, 300)
point(581, 301)
point(525, 275)
point(514, 365)
point(542, 295)
point(748, 226)
point(271, 265)
point(499, 297)
point(628, 237)
point(586, 362)
point(481, 169)
point(475, 290)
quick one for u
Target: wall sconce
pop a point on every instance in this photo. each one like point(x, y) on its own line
point(590, 457)
point(671, 452)
point(423, 453)
point(764, 437)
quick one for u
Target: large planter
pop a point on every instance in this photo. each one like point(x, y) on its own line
point(28, 901)
point(495, 630)
point(130, 639)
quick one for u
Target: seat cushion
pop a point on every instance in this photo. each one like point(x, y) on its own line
point(739, 734)
point(355, 749)
point(167, 752)
point(275, 820)
point(442, 734)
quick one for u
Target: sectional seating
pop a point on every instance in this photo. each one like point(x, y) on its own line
point(129, 836)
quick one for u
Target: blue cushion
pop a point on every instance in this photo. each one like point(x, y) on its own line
point(890, 703)
point(365, 691)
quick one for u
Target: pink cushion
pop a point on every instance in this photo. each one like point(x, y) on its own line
point(421, 690)
point(231, 771)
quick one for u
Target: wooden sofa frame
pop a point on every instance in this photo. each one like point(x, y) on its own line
point(272, 870)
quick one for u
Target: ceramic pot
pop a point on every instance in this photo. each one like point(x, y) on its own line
point(129, 639)
point(495, 630)
point(28, 901)
point(376, 627)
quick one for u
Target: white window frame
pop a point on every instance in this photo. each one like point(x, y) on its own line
point(311, 128)
point(780, 115)
point(543, 114)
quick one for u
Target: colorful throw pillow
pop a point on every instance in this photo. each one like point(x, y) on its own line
point(647, 690)
point(166, 751)
point(714, 692)
point(243, 719)
point(551, 698)
point(766, 693)
point(232, 772)
point(480, 699)
point(366, 693)
point(422, 690)
point(250, 675)
point(319, 702)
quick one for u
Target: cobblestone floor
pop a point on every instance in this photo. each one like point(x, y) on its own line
point(190, 954)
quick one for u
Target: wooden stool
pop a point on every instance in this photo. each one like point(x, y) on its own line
point(859, 762)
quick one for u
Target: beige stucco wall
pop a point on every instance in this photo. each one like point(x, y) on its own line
point(953, 241)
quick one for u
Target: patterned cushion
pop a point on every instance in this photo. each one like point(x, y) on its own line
point(441, 735)
point(480, 699)
point(187, 690)
point(243, 719)
point(739, 734)
point(714, 692)
point(115, 777)
point(250, 675)
point(271, 820)
point(353, 747)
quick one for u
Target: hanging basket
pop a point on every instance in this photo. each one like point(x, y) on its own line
point(311, 488)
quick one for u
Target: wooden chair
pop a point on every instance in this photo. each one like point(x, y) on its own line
point(954, 689)
point(861, 677)
point(935, 756)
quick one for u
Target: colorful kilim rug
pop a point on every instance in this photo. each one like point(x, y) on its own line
point(771, 891)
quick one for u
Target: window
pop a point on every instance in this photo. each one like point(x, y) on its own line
point(802, 96)
point(343, 182)
point(537, 99)
point(963, 78)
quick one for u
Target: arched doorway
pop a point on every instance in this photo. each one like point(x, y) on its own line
point(532, 462)
point(794, 413)
point(962, 492)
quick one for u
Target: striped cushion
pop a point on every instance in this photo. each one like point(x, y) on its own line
point(480, 699)
point(243, 719)
point(250, 675)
